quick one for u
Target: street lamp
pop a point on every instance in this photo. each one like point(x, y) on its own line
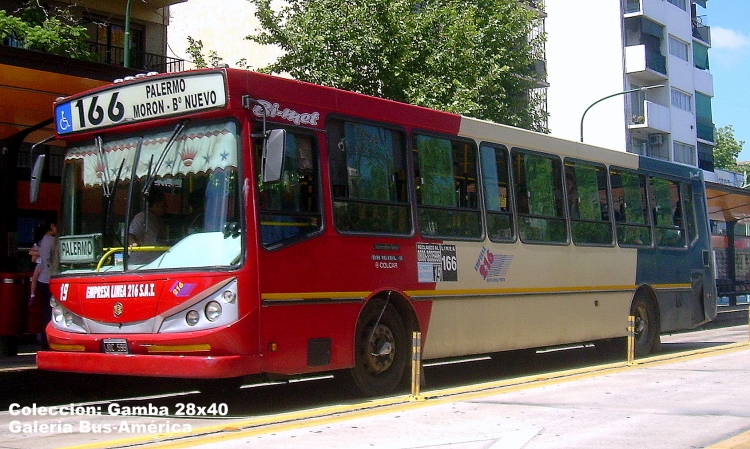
point(638, 89)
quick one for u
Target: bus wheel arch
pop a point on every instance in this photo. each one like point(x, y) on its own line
point(644, 308)
point(382, 344)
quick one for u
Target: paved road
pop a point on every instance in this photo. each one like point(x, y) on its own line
point(665, 402)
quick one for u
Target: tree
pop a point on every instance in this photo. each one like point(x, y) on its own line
point(42, 28)
point(472, 58)
point(195, 51)
point(727, 149)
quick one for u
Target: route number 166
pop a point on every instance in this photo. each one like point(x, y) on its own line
point(96, 114)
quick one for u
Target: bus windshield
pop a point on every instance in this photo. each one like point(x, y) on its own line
point(170, 196)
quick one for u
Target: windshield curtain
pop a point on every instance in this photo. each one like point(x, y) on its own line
point(184, 206)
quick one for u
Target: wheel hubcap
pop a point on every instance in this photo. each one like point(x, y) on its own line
point(380, 349)
point(641, 323)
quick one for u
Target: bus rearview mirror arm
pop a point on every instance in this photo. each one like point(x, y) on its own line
point(274, 144)
point(36, 172)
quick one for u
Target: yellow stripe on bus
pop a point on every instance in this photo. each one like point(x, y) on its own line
point(422, 294)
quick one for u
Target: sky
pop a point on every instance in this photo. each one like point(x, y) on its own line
point(729, 64)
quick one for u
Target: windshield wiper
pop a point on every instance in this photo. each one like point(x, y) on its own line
point(110, 208)
point(102, 156)
point(151, 175)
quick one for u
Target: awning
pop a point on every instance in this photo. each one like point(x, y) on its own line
point(727, 203)
point(27, 95)
point(30, 81)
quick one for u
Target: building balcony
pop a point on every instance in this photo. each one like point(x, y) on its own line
point(650, 117)
point(701, 32)
point(657, 10)
point(109, 54)
point(706, 130)
point(632, 6)
point(648, 67)
point(704, 82)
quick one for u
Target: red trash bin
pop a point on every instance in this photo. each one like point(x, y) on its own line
point(13, 300)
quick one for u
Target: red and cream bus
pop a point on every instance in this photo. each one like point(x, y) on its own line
point(309, 229)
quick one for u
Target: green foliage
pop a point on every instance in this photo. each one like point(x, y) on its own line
point(49, 30)
point(727, 149)
point(471, 58)
point(195, 51)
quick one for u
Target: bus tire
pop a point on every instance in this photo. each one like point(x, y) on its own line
point(382, 350)
point(646, 325)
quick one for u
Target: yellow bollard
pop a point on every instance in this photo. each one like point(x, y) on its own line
point(416, 366)
point(631, 340)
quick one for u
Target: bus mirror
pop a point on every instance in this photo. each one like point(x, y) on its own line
point(36, 178)
point(273, 155)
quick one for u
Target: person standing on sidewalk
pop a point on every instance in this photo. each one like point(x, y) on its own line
point(41, 291)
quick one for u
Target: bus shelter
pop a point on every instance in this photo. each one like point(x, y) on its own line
point(730, 205)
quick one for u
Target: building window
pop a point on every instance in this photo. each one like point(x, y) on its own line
point(682, 100)
point(700, 56)
point(684, 153)
point(678, 48)
point(682, 4)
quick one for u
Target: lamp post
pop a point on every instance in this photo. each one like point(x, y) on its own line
point(126, 60)
point(638, 89)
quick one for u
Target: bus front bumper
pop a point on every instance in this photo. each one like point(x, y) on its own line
point(154, 365)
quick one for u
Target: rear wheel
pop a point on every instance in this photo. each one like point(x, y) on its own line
point(382, 350)
point(646, 325)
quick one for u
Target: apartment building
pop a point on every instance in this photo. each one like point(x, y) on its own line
point(612, 54)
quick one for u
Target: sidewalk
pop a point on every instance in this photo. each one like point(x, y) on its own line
point(691, 402)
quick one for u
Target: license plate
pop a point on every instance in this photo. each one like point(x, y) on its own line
point(115, 346)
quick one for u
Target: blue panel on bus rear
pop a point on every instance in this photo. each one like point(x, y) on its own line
point(677, 274)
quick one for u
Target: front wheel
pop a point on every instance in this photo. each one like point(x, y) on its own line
point(646, 326)
point(382, 350)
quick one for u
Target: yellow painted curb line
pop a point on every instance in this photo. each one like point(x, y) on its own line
point(741, 441)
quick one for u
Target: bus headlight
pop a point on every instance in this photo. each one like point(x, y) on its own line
point(58, 314)
point(229, 296)
point(213, 311)
point(192, 318)
point(65, 320)
point(217, 306)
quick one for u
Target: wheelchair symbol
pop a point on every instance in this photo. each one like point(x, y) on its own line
point(63, 124)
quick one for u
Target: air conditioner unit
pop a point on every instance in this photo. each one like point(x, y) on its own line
point(655, 139)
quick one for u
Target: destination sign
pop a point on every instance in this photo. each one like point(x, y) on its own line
point(148, 98)
point(80, 248)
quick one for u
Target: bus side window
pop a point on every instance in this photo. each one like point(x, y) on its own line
point(688, 217)
point(290, 208)
point(588, 200)
point(668, 221)
point(495, 177)
point(368, 178)
point(539, 197)
point(446, 182)
point(633, 223)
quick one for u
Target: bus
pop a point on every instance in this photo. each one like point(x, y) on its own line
point(306, 229)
